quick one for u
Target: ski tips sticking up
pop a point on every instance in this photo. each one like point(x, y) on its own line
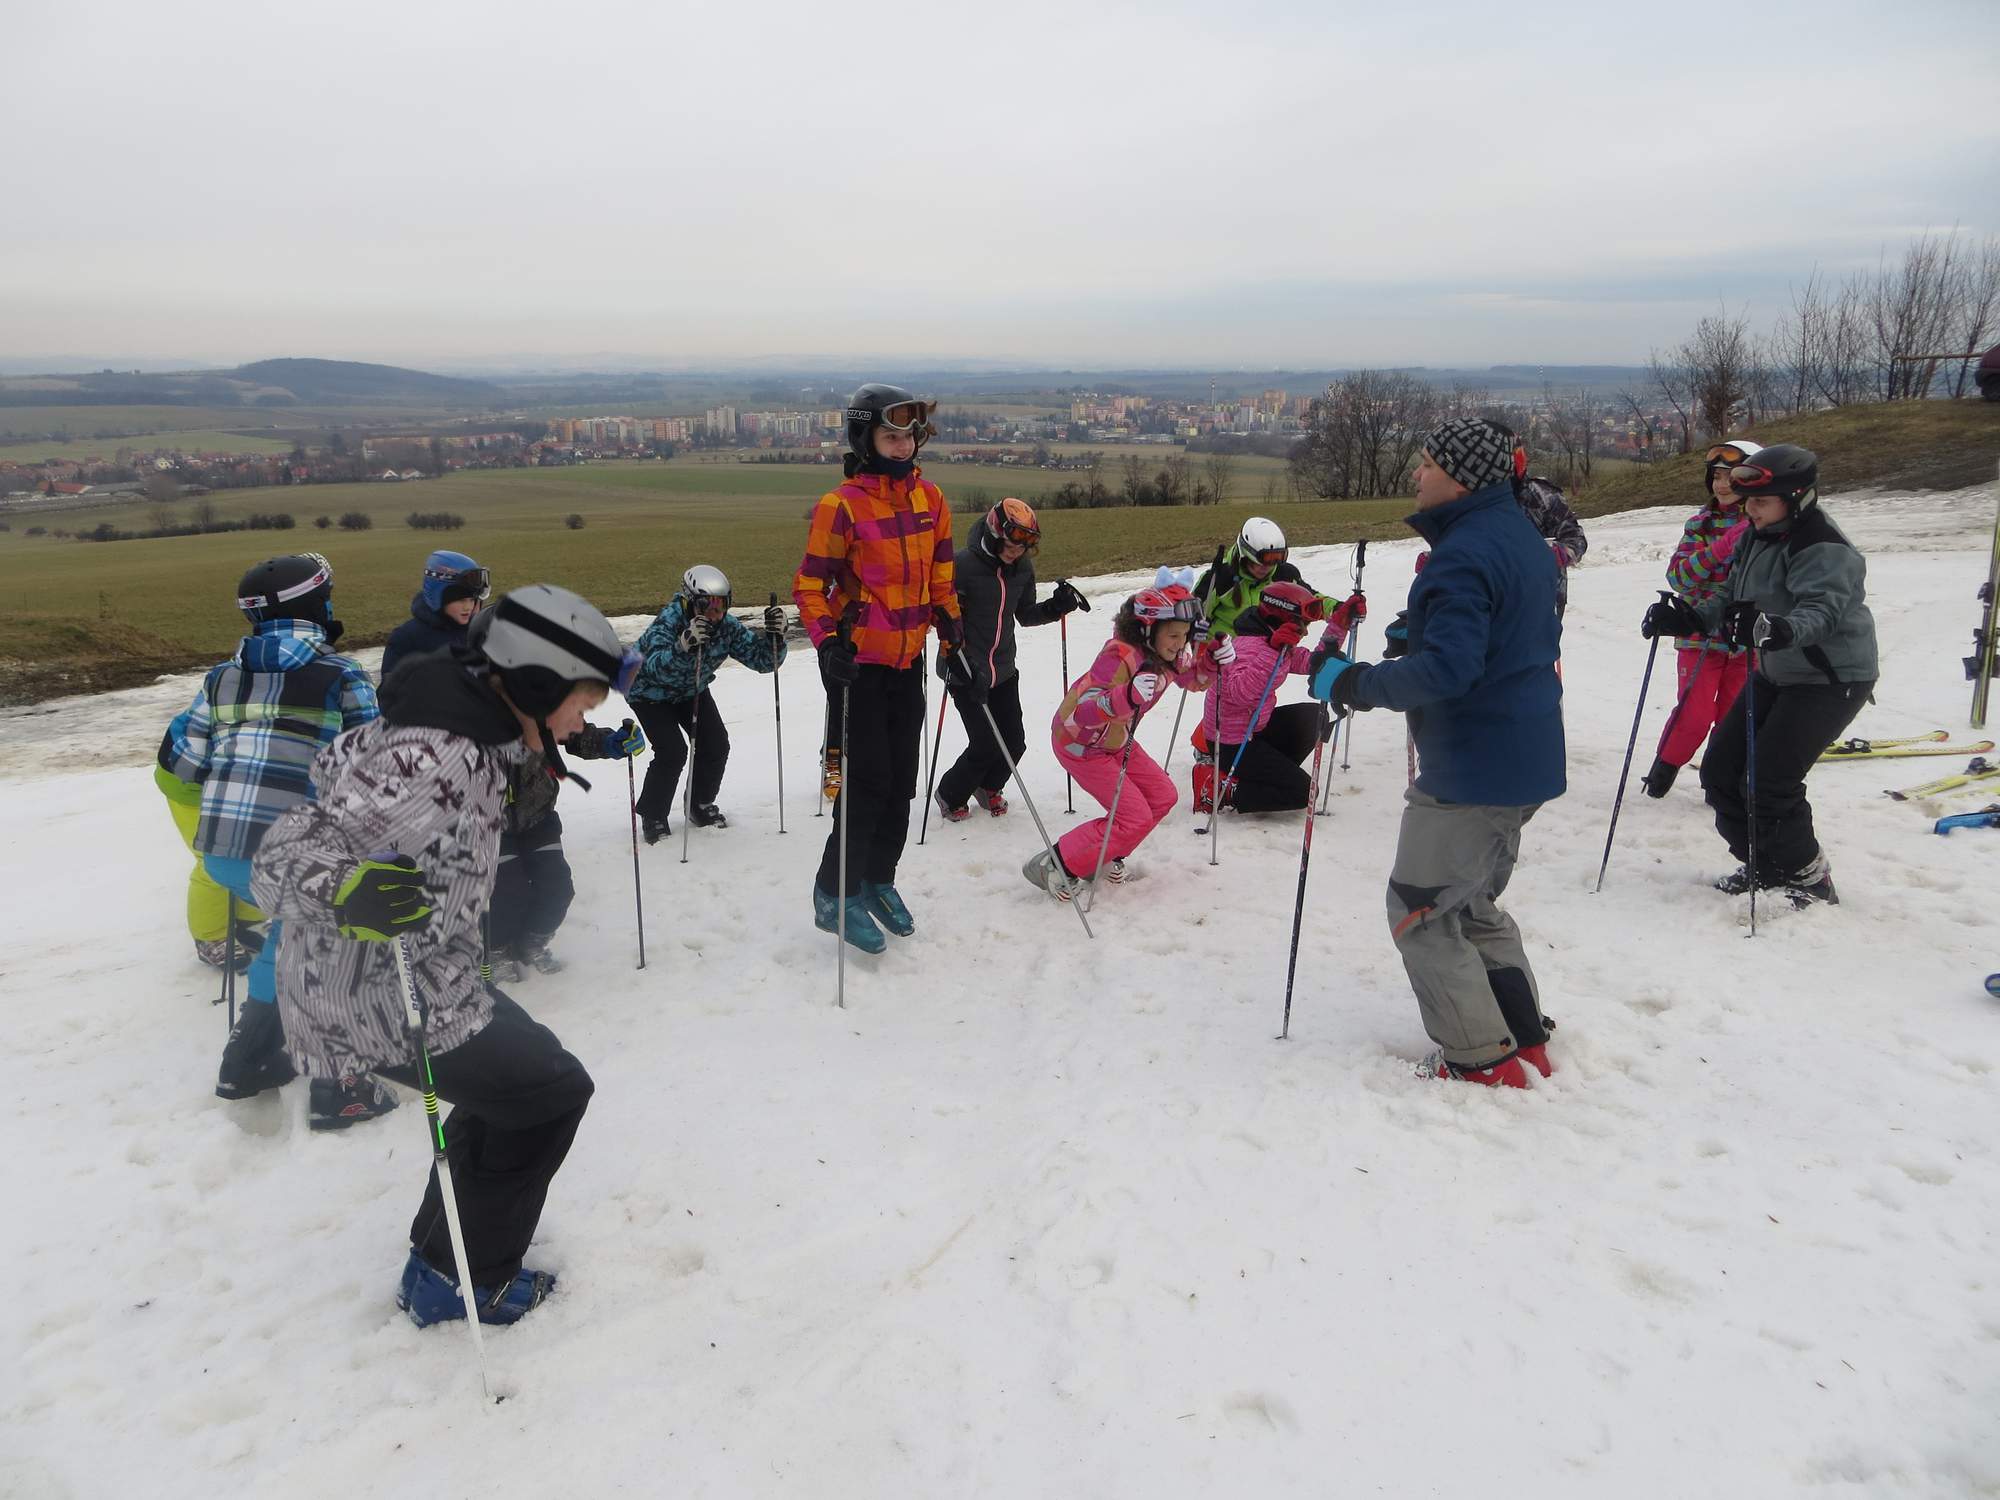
point(1898, 749)
point(1976, 770)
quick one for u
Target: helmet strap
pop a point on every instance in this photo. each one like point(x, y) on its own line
point(552, 757)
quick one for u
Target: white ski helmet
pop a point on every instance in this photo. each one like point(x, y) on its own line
point(1260, 538)
point(704, 582)
point(544, 640)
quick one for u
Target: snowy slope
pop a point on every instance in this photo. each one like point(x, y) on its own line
point(1041, 1216)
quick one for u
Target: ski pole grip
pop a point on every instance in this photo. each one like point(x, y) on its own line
point(1361, 553)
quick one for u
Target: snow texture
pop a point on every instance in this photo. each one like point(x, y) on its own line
point(1040, 1216)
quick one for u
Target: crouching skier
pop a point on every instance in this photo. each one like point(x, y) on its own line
point(401, 846)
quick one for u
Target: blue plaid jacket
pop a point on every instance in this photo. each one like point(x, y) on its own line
point(669, 676)
point(249, 738)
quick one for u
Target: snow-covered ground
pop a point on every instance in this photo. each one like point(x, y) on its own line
point(1036, 1216)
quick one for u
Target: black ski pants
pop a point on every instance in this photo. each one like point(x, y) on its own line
point(885, 731)
point(1270, 777)
point(517, 1097)
point(668, 728)
point(532, 888)
point(1794, 724)
point(983, 764)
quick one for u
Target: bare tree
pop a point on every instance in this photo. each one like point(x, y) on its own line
point(1911, 310)
point(1218, 469)
point(1978, 303)
point(1572, 432)
point(1362, 436)
point(1674, 381)
point(1134, 468)
point(1273, 488)
point(1645, 423)
point(1718, 358)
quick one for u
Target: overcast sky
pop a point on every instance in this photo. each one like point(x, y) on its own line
point(1258, 183)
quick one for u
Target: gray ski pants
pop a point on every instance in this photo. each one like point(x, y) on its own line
point(1462, 953)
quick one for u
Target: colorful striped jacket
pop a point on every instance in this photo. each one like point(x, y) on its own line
point(1696, 573)
point(250, 735)
point(668, 675)
point(1100, 713)
point(888, 543)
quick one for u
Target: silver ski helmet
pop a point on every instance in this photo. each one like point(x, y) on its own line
point(297, 586)
point(543, 640)
point(875, 405)
point(700, 584)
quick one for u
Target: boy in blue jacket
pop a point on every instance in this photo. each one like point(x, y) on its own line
point(248, 741)
point(1479, 685)
point(441, 611)
point(684, 648)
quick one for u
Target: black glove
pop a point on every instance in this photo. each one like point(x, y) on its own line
point(1067, 599)
point(1744, 626)
point(382, 899)
point(696, 635)
point(960, 681)
point(1396, 637)
point(1670, 617)
point(838, 660)
point(949, 628)
point(774, 619)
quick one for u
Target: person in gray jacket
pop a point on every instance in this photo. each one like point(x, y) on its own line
point(401, 846)
point(995, 575)
point(1796, 598)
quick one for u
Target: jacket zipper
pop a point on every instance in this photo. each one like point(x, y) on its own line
point(992, 655)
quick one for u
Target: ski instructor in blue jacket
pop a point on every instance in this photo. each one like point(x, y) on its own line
point(1477, 677)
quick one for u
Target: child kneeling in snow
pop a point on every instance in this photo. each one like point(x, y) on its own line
point(1095, 731)
point(1268, 776)
point(429, 779)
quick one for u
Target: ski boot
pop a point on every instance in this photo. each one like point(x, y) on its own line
point(506, 970)
point(829, 773)
point(1812, 886)
point(949, 813)
point(993, 802)
point(707, 815)
point(1737, 882)
point(336, 1103)
point(1116, 872)
point(887, 907)
point(254, 1059)
point(1046, 872)
point(861, 929)
point(654, 829)
point(429, 1296)
point(535, 953)
point(1506, 1074)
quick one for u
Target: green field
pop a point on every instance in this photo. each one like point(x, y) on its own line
point(193, 440)
point(77, 616)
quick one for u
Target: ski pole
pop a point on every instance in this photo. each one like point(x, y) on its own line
point(923, 715)
point(1089, 895)
point(846, 634)
point(638, 899)
point(1249, 730)
point(1028, 797)
point(1750, 776)
point(229, 963)
point(930, 784)
point(777, 716)
point(1305, 859)
point(1645, 682)
point(1360, 568)
point(1069, 782)
point(1175, 738)
point(694, 729)
point(413, 1020)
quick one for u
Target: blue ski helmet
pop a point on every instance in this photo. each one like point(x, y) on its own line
point(453, 575)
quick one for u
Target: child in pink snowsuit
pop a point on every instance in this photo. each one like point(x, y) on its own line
point(1093, 732)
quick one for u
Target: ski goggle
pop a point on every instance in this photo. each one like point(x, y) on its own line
point(1726, 453)
point(712, 605)
point(1753, 478)
point(1019, 533)
point(905, 416)
point(1170, 610)
point(477, 582)
point(1269, 557)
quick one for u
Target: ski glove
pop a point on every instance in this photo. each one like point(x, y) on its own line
point(1334, 679)
point(1146, 685)
point(1068, 599)
point(949, 628)
point(959, 680)
point(696, 635)
point(625, 742)
point(1670, 617)
point(1222, 651)
point(1743, 625)
point(383, 899)
point(838, 660)
point(774, 619)
point(1350, 612)
point(1724, 546)
point(1396, 638)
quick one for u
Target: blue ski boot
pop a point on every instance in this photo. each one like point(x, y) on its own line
point(861, 929)
point(429, 1296)
point(887, 907)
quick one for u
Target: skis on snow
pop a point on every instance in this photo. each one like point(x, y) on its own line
point(1896, 749)
point(1986, 817)
point(1979, 665)
point(1976, 770)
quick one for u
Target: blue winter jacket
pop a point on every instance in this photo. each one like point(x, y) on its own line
point(427, 629)
point(251, 734)
point(669, 677)
point(1479, 681)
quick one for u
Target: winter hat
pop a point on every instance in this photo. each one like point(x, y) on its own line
point(1474, 452)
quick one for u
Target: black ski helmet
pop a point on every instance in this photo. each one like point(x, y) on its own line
point(873, 405)
point(1785, 470)
point(297, 586)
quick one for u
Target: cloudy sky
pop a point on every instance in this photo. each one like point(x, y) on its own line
point(1302, 182)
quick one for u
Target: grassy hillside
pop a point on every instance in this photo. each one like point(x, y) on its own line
point(1937, 445)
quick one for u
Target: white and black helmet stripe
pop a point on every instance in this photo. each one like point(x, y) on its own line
point(587, 653)
point(321, 578)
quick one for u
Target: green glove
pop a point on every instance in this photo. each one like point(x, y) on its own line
point(383, 899)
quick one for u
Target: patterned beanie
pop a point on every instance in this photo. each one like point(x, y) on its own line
point(1474, 452)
